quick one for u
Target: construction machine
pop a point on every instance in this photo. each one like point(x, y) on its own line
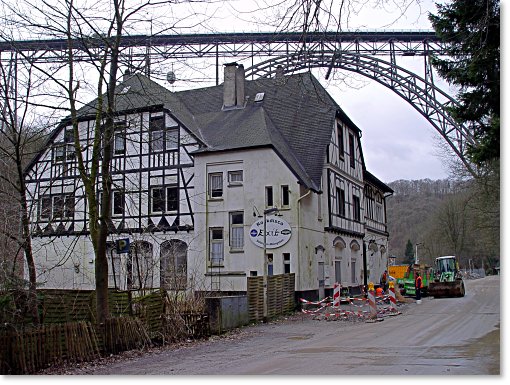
point(447, 281)
point(409, 279)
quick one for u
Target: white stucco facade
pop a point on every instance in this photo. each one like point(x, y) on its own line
point(191, 209)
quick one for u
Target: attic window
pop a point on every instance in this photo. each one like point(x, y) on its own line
point(125, 90)
point(259, 97)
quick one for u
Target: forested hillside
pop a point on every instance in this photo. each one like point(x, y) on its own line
point(411, 207)
point(445, 217)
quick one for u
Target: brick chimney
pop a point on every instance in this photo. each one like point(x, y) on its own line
point(233, 86)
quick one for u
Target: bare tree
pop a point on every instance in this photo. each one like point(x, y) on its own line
point(308, 16)
point(94, 54)
point(19, 140)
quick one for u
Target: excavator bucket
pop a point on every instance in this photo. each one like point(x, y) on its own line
point(447, 289)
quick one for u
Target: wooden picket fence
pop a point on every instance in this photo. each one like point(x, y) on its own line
point(280, 296)
point(32, 349)
point(123, 333)
point(67, 334)
point(59, 306)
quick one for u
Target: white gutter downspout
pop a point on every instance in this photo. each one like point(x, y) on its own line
point(299, 226)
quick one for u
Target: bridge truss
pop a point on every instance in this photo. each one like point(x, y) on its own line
point(370, 54)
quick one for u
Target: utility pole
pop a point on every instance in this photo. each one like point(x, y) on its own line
point(264, 273)
point(416, 259)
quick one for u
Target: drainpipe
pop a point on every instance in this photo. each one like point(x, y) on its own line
point(365, 275)
point(208, 268)
point(299, 226)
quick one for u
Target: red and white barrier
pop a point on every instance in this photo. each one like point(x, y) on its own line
point(371, 300)
point(325, 300)
point(336, 295)
point(369, 309)
point(393, 300)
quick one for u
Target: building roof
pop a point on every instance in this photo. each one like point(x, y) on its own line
point(295, 117)
point(371, 178)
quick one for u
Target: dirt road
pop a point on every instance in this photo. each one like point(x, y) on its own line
point(439, 336)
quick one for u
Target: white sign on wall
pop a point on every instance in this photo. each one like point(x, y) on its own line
point(278, 232)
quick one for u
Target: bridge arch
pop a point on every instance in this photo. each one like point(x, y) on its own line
point(429, 100)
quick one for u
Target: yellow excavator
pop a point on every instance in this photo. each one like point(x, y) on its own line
point(447, 281)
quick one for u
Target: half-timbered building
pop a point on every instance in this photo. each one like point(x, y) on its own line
point(152, 176)
point(196, 173)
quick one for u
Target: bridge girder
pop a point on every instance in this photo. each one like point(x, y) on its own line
point(429, 100)
point(355, 51)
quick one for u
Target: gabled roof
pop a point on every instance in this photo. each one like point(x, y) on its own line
point(369, 177)
point(295, 117)
point(138, 92)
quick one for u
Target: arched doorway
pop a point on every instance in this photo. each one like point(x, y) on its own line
point(174, 265)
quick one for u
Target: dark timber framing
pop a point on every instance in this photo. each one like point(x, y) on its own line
point(143, 167)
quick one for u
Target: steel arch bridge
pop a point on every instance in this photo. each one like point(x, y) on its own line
point(373, 54)
point(429, 100)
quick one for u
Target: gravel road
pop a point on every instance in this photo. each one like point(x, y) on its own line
point(438, 336)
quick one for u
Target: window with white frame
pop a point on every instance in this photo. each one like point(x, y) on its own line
point(356, 208)
point(65, 152)
point(237, 230)
point(286, 263)
point(45, 203)
point(352, 157)
point(216, 245)
point(59, 153)
point(172, 198)
point(59, 206)
point(340, 139)
point(216, 185)
point(164, 199)
point(119, 138)
point(157, 137)
point(119, 143)
point(172, 139)
point(235, 178)
point(118, 203)
point(157, 200)
point(69, 140)
point(340, 202)
point(162, 138)
point(269, 196)
point(285, 196)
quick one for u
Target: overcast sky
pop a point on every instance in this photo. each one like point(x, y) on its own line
point(398, 143)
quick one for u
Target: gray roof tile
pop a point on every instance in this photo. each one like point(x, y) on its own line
point(296, 117)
